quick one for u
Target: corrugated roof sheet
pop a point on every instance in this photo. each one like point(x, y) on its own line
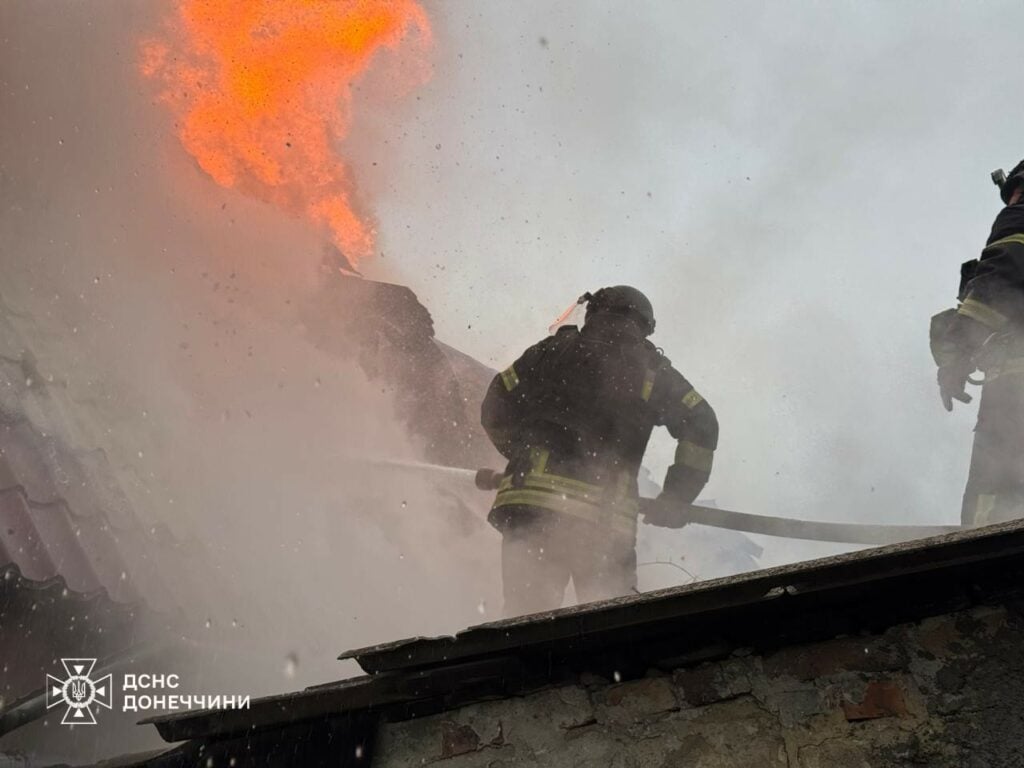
point(47, 533)
point(63, 511)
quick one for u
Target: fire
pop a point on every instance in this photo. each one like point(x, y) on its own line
point(262, 92)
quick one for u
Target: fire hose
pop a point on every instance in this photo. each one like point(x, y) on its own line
point(847, 533)
point(784, 527)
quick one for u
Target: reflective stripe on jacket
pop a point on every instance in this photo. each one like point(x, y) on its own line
point(614, 505)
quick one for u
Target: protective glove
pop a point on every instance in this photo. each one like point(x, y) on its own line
point(955, 340)
point(942, 341)
point(665, 512)
point(952, 379)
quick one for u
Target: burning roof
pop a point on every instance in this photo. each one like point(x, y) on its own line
point(263, 95)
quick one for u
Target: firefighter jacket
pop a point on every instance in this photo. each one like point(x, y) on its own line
point(986, 330)
point(988, 323)
point(573, 416)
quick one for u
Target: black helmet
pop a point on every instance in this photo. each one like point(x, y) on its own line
point(622, 300)
point(1009, 183)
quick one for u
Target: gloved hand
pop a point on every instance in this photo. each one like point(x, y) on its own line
point(952, 379)
point(682, 485)
point(665, 512)
point(942, 341)
point(954, 340)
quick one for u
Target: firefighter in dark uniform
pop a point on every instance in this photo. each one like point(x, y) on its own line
point(573, 416)
point(986, 332)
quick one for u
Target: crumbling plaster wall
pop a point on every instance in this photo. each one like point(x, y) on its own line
point(948, 691)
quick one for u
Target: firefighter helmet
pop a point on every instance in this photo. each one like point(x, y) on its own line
point(1009, 183)
point(622, 300)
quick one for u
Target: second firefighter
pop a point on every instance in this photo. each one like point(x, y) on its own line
point(573, 416)
point(986, 332)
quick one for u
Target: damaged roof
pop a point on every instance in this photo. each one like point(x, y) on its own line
point(435, 388)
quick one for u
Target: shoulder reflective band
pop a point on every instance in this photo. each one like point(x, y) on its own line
point(694, 456)
point(692, 399)
point(509, 378)
point(983, 313)
point(1018, 239)
point(648, 387)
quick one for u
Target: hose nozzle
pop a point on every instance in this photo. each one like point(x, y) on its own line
point(488, 479)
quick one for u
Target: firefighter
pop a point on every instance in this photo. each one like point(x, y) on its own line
point(573, 416)
point(986, 332)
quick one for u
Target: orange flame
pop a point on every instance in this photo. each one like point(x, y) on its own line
point(262, 90)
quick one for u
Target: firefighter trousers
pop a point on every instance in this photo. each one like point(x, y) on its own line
point(539, 557)
point(995, 485)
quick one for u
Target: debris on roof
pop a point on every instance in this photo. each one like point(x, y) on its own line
point(436, 389)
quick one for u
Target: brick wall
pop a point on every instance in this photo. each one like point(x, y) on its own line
point(948, 691)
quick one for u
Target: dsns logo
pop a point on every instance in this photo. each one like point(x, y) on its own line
point(78, 692)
